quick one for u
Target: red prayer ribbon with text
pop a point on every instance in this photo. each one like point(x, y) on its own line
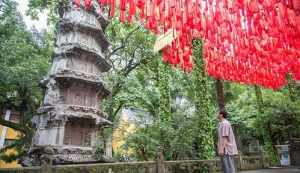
point(248, 41)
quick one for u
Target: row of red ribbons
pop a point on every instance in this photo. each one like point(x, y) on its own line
point(248, 41)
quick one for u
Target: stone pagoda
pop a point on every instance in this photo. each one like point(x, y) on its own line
point(70, 123)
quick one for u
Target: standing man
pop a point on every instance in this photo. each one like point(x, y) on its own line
point(227, 148)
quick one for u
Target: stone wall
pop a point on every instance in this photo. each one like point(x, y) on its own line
point(184, 166)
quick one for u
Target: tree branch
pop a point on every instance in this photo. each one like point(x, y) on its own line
point(118, 109)
point(15, 126)
point(123, 42)
point(135, 65)
point(14, 145)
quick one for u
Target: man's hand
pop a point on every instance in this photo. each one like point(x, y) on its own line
point(224, 146)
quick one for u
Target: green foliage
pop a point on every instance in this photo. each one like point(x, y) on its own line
point(281, 116)
point(179, 132)
point(175, 109)
point(23, 62)
point(270, 116)
point(164, 92)
point(292, 87)
point(50, 6)
point(131, 49)
point(205, 142)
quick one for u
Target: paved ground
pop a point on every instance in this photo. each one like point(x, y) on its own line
point(273, 171)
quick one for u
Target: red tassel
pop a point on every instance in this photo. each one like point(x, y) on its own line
point(131, 10)
point(123, 5)
point(102, 2)
point(88, 4)
point(122, 16)
point(296, 4)
point(122, 10)
point(140, 4)
point(244, 40)
point(112, 8)
point(77, 3)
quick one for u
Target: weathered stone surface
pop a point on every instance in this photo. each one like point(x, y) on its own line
point(179, 166)
point(79, 52)
point(70, 120)
point(85, 22)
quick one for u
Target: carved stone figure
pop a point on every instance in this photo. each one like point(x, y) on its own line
point(70, 118)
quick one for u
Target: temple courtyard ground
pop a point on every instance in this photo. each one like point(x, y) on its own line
point(291, 170)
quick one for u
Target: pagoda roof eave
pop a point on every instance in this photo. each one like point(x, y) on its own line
point(66, 76)
point(72, 25)
point(65, 111)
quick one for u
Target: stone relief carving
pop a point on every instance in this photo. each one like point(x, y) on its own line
point(52, 93)
point(83, 18)
point(83, 39)
point(58, 64)
point(70, 115)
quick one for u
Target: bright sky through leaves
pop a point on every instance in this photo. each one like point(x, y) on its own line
point(39, 24)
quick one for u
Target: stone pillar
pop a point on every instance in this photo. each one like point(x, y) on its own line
point(61, 134)
point(108, 146)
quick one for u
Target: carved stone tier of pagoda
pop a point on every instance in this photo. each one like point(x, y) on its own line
point(70, 122)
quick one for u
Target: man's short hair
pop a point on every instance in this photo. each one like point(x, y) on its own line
point(223, 113)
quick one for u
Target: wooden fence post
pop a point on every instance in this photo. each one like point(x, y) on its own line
point(240, 162)
point(160, 163)
point(262, 158)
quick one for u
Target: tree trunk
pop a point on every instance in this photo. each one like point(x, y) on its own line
point(292, 88)
point(204, 136)
point(164, 109)
point(273, 141)
point(164, 91)
point(220, 94)
point(259, 99)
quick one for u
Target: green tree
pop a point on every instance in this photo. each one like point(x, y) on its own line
point(174, 133)
point(267, 115)
point(23, 62)
point(131, 48)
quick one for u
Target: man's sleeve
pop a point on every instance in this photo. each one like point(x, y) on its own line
point(225, 128)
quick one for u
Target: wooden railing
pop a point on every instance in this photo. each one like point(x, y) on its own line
point(181, 166)
point(250, 163)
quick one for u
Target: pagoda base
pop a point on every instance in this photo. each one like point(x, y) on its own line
point(60, 155)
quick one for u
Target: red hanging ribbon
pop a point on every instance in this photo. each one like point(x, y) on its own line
point(252, 42)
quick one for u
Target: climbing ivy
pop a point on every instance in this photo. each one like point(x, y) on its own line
point(202, 103)
point(164, 109)
point(164, 90)
point(292, 87)
point(268, 146)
